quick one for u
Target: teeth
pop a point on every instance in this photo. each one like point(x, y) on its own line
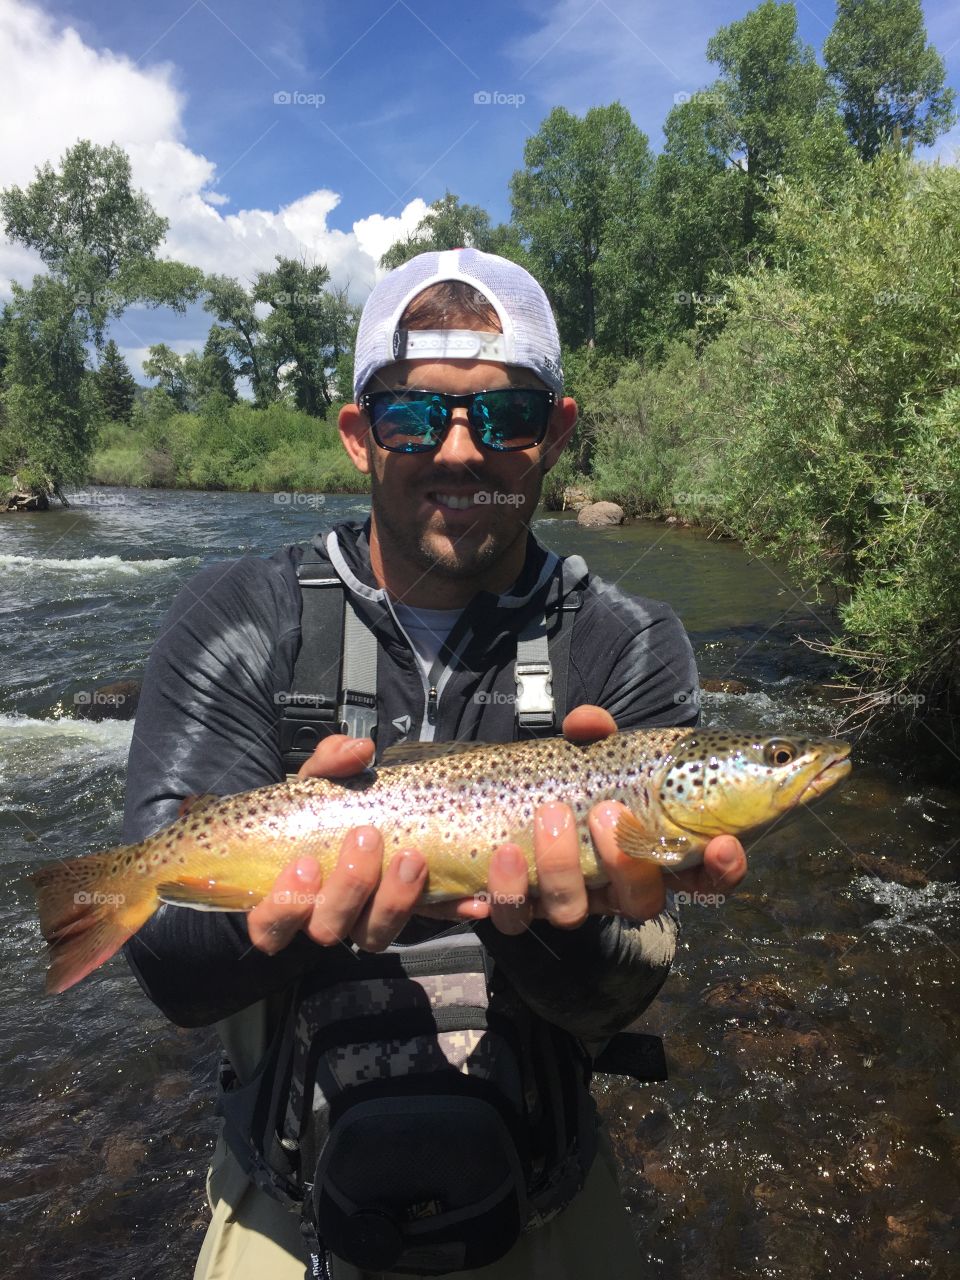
point(457, 501)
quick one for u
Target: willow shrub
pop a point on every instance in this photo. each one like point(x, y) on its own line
point(841, 414)
point(225, 446)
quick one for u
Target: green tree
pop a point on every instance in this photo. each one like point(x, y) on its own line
point(307, 330)
point(218, 374)
point(241, 338)
point(93, 230)
point(116, 386)
point(889, 80)
point(578, 206)
point(47, 412)
point(167, 367)
point(450, 224)
point(98, 238)
point(775, 115)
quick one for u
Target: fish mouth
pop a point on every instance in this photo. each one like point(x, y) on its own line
point(834, 771)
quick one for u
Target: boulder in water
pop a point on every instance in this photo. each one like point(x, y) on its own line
point(600, 515)
point(116, 701)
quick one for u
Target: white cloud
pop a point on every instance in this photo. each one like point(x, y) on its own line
point(55, 89)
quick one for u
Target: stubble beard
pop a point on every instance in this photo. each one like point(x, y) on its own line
point(434, 553)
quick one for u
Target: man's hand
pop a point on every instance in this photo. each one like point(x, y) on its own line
point(359, 899)
point(637, 886)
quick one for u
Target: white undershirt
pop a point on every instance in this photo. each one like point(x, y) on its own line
point(427, 629)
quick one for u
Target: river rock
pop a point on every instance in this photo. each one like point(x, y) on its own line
point(751, 998)
point(575, 497)
point(724, 686)
point(600, 515)
point(22, 499)
point(776, 1047)
point(116, 701)
point(887, 869)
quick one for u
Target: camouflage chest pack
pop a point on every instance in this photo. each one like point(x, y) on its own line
point(414, 1111)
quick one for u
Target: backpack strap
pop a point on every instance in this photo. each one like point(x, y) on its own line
point(309, 711)
point(541, 678)
point(358, 697)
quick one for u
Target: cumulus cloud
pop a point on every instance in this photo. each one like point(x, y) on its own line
point(55, 89)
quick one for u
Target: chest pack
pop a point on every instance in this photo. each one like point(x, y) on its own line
point(411, 1109)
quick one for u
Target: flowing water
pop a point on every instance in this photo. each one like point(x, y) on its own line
point(809, 1127)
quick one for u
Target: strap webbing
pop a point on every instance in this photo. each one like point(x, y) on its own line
point(534, 676)
point(309, 708)
point(358, 699)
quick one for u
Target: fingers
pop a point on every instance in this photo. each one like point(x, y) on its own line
point(636, 886)
point(724, 866)
point(588, 723)
point(510, 908)
point(392, 903)
point(288, 906)
point(348, 887)
point(560, 884)
point(338, 756)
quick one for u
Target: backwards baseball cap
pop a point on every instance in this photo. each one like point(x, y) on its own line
point(529, 338)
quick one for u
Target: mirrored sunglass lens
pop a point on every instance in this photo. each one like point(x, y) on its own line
point(510, 419)
point(408, 425)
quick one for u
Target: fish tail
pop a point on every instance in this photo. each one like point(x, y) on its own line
point(88, 911)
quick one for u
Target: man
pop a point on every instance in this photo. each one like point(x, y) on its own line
point(458, 415)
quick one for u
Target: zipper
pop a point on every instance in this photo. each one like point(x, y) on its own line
point(432, 705)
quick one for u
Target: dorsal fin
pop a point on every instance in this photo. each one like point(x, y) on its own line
point(411, 752)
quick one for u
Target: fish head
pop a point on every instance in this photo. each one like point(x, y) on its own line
point(717, 782)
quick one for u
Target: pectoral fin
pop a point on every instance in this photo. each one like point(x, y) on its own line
point(633, 838)
point(207, 895)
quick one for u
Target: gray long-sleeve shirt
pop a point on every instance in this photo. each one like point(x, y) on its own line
point(207, 722)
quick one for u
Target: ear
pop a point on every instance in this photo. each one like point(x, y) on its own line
point(355, 434)
point(562, 421)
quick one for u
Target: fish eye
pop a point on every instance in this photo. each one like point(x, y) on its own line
point(779, 752)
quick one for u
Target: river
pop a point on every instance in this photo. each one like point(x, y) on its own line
point(809, 1127)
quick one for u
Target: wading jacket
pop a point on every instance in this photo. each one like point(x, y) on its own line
point(207, 722)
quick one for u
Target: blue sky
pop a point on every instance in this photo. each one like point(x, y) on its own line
point(382, 116)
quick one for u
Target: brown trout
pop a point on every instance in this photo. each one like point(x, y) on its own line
point(456, 803)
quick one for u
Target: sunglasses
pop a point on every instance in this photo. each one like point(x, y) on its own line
point(418, 421)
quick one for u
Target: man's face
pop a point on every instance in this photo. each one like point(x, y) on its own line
point(461, 512)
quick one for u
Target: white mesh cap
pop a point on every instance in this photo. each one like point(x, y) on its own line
point(529, 338)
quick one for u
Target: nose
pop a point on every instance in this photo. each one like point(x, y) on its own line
point(459, 448)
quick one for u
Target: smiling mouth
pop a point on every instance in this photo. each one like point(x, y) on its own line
point(454, 501)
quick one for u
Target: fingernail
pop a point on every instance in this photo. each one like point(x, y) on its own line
point(554, 818)
point(306, 868)
point(365, 837)
point(511, 861)
point(607, 815)
point(411, 865)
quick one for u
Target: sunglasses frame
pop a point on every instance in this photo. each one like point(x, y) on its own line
point(450, 402)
